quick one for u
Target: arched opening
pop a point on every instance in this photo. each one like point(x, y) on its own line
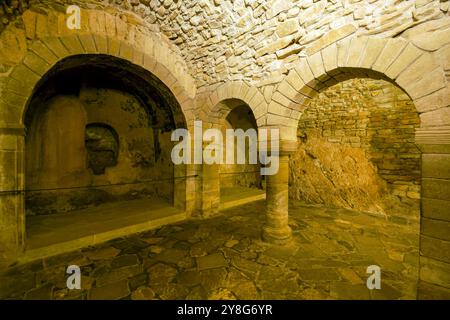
point(240, 178)
point(98, 150)
point(355, 182)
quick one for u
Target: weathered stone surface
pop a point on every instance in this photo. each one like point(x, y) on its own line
point(143, 293)
point(436, 166)
point(257, 270)
point(434, 271)
point(436, 209)
point(42, 293)
point(102, 253)
point(428, 291)
point(432, 41)
point(436, 228)
point(436, 188)
point(343, 126)
point(112, 291)
point(435, 248)
point(331, 37)
point(212, 261)
point(259, 42)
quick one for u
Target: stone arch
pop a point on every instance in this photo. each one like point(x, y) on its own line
point(101, 33)
point(51, 42)
point(420, 73)
point(212, 110)
point(420, 69)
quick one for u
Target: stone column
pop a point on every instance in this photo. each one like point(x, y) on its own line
point(210, 176)
point(12, 211)
point(276, 229)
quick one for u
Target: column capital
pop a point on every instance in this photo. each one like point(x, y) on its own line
point(433, 139)
point(288, 147)
point(285, 147)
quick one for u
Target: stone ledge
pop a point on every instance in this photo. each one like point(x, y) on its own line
point(433, 136)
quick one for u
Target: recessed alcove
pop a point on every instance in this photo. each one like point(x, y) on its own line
point(98, 153)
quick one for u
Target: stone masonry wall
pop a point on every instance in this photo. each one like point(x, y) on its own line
point(257, 40)
point(143, 168)
point(370, 124)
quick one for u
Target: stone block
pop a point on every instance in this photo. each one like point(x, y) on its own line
point(435, 271)
point(114, 47)
point(435, 100)
point(436, 209)
point(329, 57)
point(290, 50)
point(428, 291)
point(211, 261)
point(44, 292)
point(29, 20)
point(24, 75)
point(316, 65)
point(36, 63)
point(436, 166)
point(45, 53)
point(73, 44)
point(436, 249)
point(436, 228)
point(342, 48)
point(355, 51)
point(389, 54)
point(406, 57)
point(436, 188)
point(372, 51)
point(14, 98)
point(287, 27)
point(275, 46)
point(113, 291)
point(101, 43)
point(126, 51)
point(88, 43)
point(42, 28)
point(417, 69)
point(304, 71)
point(278, 109)
point(55, 45)
point(275, 119)
point(110, 25)
point(432, 41)
point(430, 82)
point(295, 80)
point(331, 37)
point(440, 117)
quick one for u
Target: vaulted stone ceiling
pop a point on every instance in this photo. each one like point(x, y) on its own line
point(259, 40)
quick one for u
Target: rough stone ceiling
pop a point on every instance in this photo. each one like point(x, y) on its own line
point(255, 40)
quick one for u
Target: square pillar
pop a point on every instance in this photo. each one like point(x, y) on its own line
point(12, 209)
point(434, 278)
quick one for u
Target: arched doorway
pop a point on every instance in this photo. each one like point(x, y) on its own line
point(355, 186)
point(98, 148)
point(240, 180)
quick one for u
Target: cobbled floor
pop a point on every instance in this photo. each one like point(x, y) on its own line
point(224, 258)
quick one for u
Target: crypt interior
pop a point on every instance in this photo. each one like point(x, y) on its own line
point(358, 91)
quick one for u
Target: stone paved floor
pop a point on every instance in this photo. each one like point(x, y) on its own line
point(223, 258)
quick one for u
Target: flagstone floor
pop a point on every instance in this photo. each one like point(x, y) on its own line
point(224, 258)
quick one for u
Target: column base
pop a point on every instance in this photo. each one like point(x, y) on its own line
point(278, 236)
